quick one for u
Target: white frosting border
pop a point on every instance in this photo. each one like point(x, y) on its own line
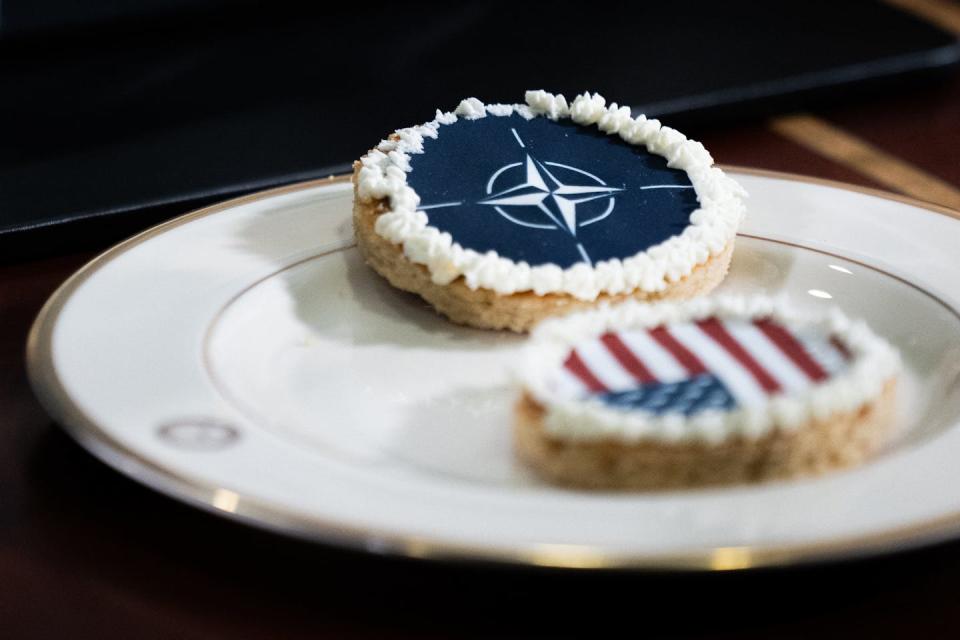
point(383, 175)
point(873, 363)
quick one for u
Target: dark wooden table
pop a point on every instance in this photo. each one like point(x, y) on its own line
point(84, 552)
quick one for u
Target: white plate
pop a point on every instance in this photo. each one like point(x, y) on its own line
point(243, 359)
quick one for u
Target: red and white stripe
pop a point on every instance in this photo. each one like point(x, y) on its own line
point(752, 358)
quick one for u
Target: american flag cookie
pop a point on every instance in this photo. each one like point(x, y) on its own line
point(713, 391)
point(500, 215)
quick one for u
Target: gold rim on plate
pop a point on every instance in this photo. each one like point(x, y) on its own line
point(223, 501)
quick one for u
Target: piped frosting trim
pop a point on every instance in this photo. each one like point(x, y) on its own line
point(872, 364)
point(383, 176)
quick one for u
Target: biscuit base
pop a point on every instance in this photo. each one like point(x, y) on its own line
point(486, 309)
point(842, 440)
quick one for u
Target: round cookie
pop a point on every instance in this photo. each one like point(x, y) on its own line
point(502, 215)
point(715, 391)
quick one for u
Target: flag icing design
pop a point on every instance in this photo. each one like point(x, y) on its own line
point(689, 367)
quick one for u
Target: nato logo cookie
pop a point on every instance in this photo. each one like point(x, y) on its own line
point(715, 391)
point(501, 215)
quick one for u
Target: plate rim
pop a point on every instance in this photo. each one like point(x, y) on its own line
point(56, 400)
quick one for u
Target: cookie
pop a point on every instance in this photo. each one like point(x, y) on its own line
point(713, 391)
point(502, 215)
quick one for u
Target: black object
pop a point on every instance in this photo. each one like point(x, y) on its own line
point(152, 114)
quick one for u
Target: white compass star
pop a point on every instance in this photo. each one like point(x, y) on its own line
point(535, 192)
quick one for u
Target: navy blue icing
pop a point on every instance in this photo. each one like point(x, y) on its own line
point(687, 397)
point(466, 180)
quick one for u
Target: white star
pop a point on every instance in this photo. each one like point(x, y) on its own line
point(536, 193)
